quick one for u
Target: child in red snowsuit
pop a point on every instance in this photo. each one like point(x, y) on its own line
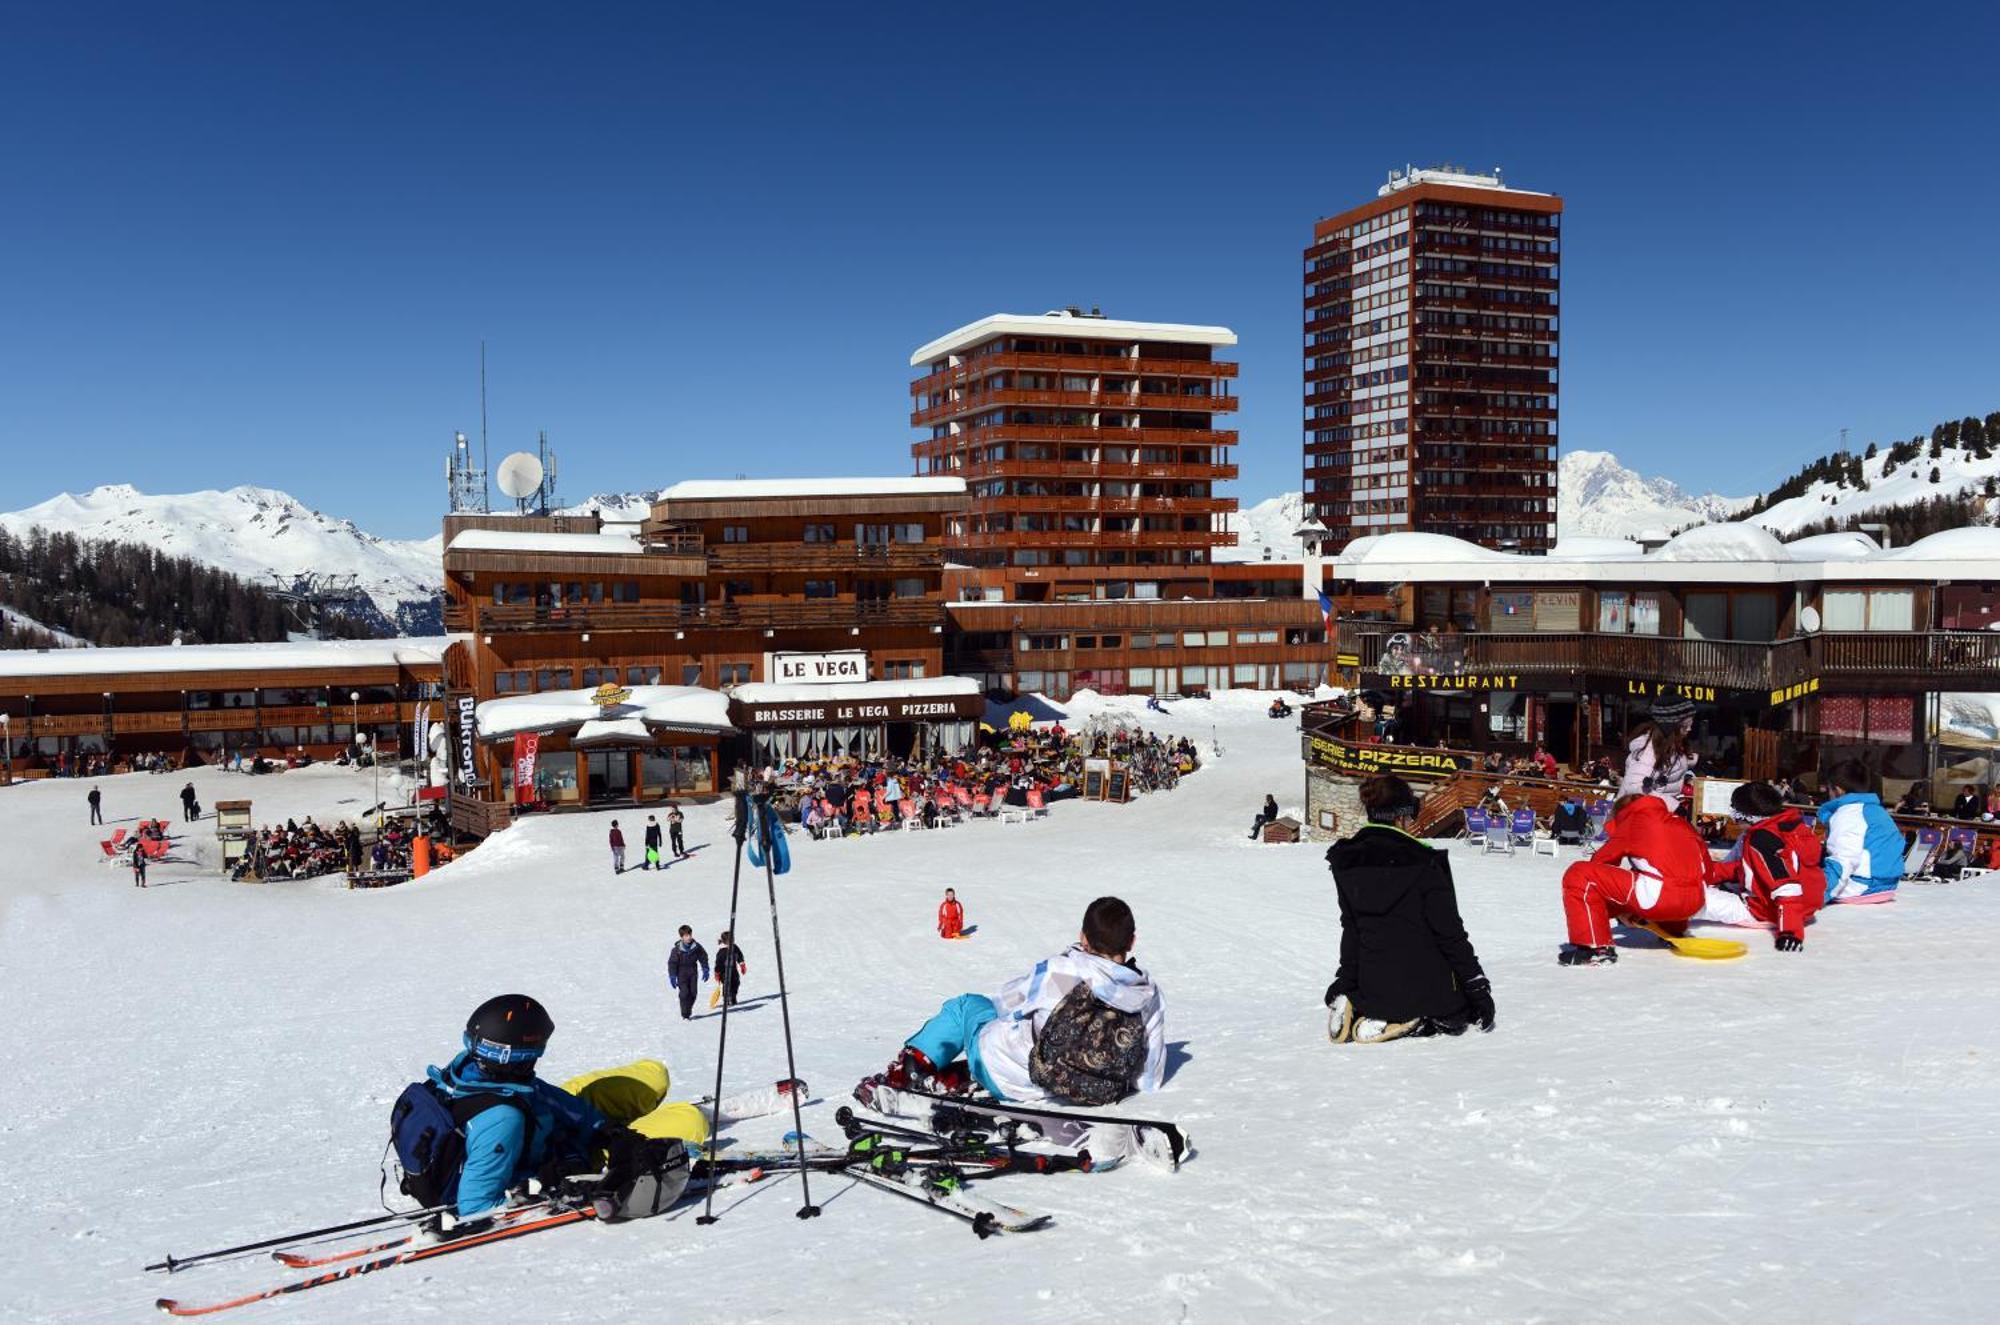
point(1653, 865)
point(1779, 869)
point(951, 917)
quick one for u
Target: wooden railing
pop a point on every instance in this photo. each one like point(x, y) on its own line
point(1093, 365)
point(1937, 652)
point(838, 612)
point(829, 557)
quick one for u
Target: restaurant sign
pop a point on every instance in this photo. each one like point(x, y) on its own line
point(1669, 690)
point(1797, 690)
point(807, 713)
point(1438, 681)
point(1365, 760)
point(817, 669)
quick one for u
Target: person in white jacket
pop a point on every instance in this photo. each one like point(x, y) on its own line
point(997, 1036)
point(1657, 761)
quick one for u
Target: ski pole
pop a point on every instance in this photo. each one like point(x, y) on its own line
point(767, 824)
point(173, 1263)
point(741, 829)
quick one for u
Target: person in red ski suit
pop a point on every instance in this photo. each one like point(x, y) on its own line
point(1653, 865)
point(951, 916)
point(1778, 869)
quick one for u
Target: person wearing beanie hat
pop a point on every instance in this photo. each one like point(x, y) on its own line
point(1406, 965)
point(1657, 760)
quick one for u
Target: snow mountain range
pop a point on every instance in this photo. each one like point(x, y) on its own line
point(266, 537)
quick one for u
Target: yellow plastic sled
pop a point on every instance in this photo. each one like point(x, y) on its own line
point(1708, 950)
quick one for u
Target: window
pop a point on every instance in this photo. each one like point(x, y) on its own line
point(910, 587)
point(909, 533)
point(732, 673)
point(1707, 616)
point(1868, 609)
point(1558, 610)
point(512, 683)
point(822, 589)
point(1614, 611)
point(1645, 614)
point(736, 533)
point(625, 591)
point(1193, 639)
point(1043, 643)
point(1114, 641)
point(1218, 637)
point(1511, 611)
point(690, 674)
point(902, 670)
point(1755, 617)
point(1142, 642)
point(599, 676)
point(642, 676)
point(555, 678)
point(821, 533)
point(1256, 637)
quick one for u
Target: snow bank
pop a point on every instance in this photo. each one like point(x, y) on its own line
point(923, 687)
point(679, 708)
point(420, 651)
point(745, 488)
point(1724, 542)
point(522, 540)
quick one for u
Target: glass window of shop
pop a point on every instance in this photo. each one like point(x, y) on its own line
point(1507, 715)
point(1707, 616)
point(642, 676)
point(674, 771)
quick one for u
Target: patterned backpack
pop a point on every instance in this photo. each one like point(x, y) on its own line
point(1087, 1051)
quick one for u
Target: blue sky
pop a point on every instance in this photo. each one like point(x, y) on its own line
point(261, 243)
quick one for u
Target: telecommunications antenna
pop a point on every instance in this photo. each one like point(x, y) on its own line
point(520, 476)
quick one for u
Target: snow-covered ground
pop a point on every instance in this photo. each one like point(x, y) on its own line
point(1781, 1138)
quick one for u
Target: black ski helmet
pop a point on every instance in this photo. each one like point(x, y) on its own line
point(509, 1032)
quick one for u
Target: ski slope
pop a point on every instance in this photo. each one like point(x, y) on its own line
point(1780, 1138)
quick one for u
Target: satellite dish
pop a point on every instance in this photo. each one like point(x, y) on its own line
point(520, 475)
point(1809, 619)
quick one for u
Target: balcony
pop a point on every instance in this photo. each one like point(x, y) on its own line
point(1054, 538)
point(832, 613)
point(1074, 432)
point(1860, 660)
point(1086, 364)
point(1095, 401)
point(829, 557)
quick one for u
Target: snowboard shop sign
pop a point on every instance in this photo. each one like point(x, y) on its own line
point(526, 746)
point(468, 730)
point(818, 669)
point(1346, 757)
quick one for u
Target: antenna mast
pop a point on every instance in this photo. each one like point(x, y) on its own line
point(482, 420)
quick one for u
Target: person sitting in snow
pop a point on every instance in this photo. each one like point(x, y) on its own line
point(1406, 965)
point(951, 916)
point(1653, 866)
point(1086, 1026)
point(1777, 869)
point(1864, 848)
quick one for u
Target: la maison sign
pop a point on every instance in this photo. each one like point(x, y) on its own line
point(818, 668)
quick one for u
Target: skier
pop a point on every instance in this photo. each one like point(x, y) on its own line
point(1086, 1026)
point(516, 1127)
point(1653, 864)
point(1864, 848)
point(652, 844)
point(190, 807)
point(1268, 814)
point(730, 967)
point(1778, 869)
point(1406, 965)
point(951, 916)
point(1657, 760)
point(674, 821)
point(682, 961)
point(96, 799)
point(139, 861)
point(617, 849)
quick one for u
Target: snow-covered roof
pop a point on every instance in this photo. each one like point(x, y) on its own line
point(423, 651)
point(1068, 325)
point(678, 708)
point(1715, 553)
point(1455, 178)
point(925, 687)
point(737, 489)
point(522, 540)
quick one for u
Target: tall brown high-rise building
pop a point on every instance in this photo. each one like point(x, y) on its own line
point(1430, 362)
point(1090, 450)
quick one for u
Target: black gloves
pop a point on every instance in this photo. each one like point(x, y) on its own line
point(1479, 994)
point(1791, 943)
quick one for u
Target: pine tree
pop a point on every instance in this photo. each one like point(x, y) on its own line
point(1935, 475)
point(1870, 454)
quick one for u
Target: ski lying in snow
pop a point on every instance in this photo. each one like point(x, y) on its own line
point(1107, 1135)
point(945, 1192)
point(759, 1102)
point(425, 1235)
point(175, 1307)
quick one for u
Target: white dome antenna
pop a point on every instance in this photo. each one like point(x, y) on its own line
point(520, 476)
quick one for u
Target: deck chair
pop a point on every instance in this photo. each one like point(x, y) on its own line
point(907, 810)
point(1475, 824)
point(1917, 863)
point(1499, 837)
point(1968, 840)
point(156, 848)
point(1038, 806)
point(1600, 823)
point(1523, 827)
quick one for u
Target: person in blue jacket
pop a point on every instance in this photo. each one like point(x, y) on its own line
point(1864, 848)
point(529, 1127)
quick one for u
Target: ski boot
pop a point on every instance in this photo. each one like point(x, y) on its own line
point(1578, 955)
point(885, 1091)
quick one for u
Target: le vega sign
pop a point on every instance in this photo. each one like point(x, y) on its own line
point(818, 668)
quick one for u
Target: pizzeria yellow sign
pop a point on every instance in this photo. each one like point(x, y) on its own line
point(1799, 690)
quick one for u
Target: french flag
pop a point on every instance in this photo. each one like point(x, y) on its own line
point(1326, 612)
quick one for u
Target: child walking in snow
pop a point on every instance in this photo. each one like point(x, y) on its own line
point(1086, 1026)
point(617, 849)
point(683, 961)
point(730, 968)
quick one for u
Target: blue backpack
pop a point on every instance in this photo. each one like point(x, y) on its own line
point(427, 1132)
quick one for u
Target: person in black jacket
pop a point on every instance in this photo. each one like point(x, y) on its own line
point(652, 861)
point(1969, 805)
point(1406, 965)
point(1268, 814)
point(687, 969)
